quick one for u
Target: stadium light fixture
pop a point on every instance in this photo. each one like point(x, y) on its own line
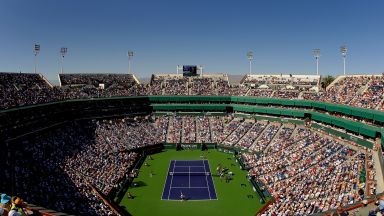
point(63, 51)
point(36, 51)
point(250, 58)
point(343, 51)
point(130, 55)
point(316, 54)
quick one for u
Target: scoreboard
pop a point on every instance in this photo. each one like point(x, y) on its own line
point(189, 70)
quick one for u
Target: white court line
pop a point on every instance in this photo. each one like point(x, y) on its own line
point(190, 160)
point(170, 186)
point(213, 182)
point(189, 177)
point(189, 187)
point(206, 180)
point(177, 200)
point(165, 182)
point(190, 166)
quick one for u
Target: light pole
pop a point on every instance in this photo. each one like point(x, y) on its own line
point(250, 58)
point(36, 51)
point(130, 55)
point(343, 51)
point(63, 51)
point(316, 54)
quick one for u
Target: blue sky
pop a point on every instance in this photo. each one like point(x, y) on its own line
point(215, 34)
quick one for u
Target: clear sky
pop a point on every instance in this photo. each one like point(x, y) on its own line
point(215, 34)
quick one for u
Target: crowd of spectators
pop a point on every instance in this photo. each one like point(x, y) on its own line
point(229, 128)
point(202, 86)
point(230, 131)
point(286, 138)
point(203, 127)
point(359, 91)
point(278, 82)
point(176, 86)
point(371, 179)
point(329, 184)
point(287, 94)
point(238, 133)
point(38, 174)
point(20, 89)
point(175, 126)
point(260, 92)
point(209, 129)
point(88, 154)
point(250, 137)
point(265, 138)
point(66, 163)
point(372, 95)
point(223, 87)
point(306, 173)
point(189, 130)
point(315, 96)
point(346, 89)
point(108, 80)
point(217, 127)
point(162, 125)
point(113, 140)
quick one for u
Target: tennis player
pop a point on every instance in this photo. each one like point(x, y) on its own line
point(182, 196)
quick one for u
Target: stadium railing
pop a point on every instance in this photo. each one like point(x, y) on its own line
point(116, 209)
point(20, 118)
point(353, 207)
point(348, 125)
point(369, 114)
point(189, 145)
point(257, 187)
point(144, 151)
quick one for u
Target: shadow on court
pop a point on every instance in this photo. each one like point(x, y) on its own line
point(139, 184)
point(125, 211)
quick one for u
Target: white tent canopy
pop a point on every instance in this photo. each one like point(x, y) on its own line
point(314, 88)
point(263, 87)
point(289, 87)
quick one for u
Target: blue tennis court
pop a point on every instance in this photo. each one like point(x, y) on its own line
point(191, 178)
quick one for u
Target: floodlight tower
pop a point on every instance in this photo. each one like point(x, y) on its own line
point(343, 51)
point(316, 54)
point(130, 55)
point(36, 51)
point(250, 58)
point(63, 51)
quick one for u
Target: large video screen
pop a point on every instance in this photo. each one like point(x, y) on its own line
point(189, 70)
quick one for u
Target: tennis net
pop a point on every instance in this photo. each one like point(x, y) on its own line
point(189, 173)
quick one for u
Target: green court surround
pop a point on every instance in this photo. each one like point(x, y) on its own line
point(232, 197)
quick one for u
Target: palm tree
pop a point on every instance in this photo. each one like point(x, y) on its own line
point(326, 81)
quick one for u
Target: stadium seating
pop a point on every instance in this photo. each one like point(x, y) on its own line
point(64, 163)
point(82, 155)
point(26, 89)
point(311, 175)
